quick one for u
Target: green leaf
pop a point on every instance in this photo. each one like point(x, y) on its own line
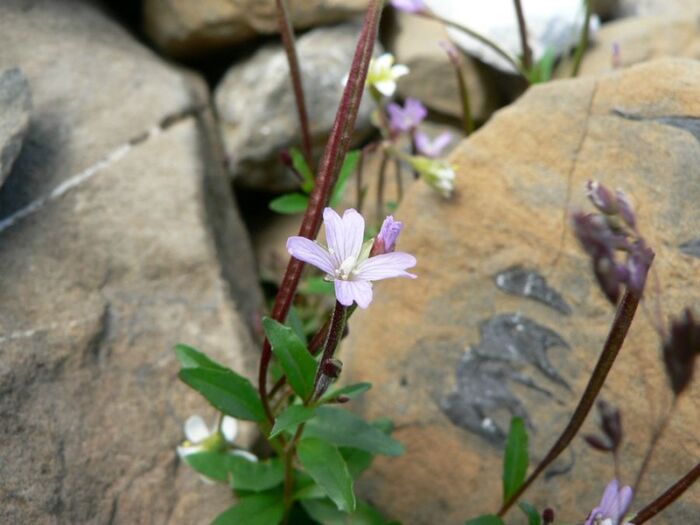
point(323, 511)
point(255, 476)
point(350, 391)
point(326, 466)
point(318, 286)
point(486, 519)
point(533, 517)
point(191, 358)
point(357, 460)
point(258, 509)
point(346, 170)
point(296, 324)
point(290, 203)
point(297, 362)
point(542, 71)
point(229, 392)
point(516, 460)
point(214, 465)
point(348, 430)
point(291, 418)
point(303, 169)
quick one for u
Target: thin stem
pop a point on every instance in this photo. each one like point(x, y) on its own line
point(583, 42)
point(660, 429)
point(358, 181)
point(287, 32)
point(288, 482)
point(399, 180)
point(611, 348)
point(336, 150)
point(484, 40)
point(522, 26)
point(467, 119)
point(380, 187)
point(335, 333)
point(667, 498)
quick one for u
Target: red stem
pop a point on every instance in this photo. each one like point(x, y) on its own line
point(667, 498)
point(287, 33)
point(336, 149)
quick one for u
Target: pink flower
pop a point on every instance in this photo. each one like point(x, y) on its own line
point(409, 6)
point(432, 148)
point(408, 117)
point(613, 507)
point(346, 261)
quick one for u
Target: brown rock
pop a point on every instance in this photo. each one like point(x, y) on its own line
point(452, 356)
point(183, 28)
point(415, 43)
point(119, 239)
point(639, 39)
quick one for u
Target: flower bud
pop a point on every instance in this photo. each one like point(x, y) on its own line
point(602, 198)
point(332, 368)
point(548, 516)
point(680, 350)
point(386, 239)
point(611, 423)
point(597, 443)
point(626, 210)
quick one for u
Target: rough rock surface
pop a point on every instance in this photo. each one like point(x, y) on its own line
point(415, 42)
point(119, 239)
point(257, 112)
point(15, 105)
point(184, 28)
point(638, 39)
point(484, 332)
point(687, 8)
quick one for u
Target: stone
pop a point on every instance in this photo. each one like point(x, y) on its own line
point(629, 41)
point(185, 29)
point(257, 110)
point(453, 354)
point(682, 8)
point(15, 105)
point(119, 239)
point(415, 41)
point(555, 26)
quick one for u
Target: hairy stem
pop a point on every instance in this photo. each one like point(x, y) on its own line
point(336, 150)
point(522, 27)
point(380, 188)
point(287, 31)
point(667, 498)
point(583, 42)
point(335, 333)
point(613, 344)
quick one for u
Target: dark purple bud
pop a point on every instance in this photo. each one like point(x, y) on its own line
point(607, 274)
point(286, 159)
point(598, 443)
point(611, 423)
point(548, 516)
point(680, 350)
point(594, 234)
point(332, 368)
point(342, 399)
point(626, 209)
point(602, 198)
point(638, 264)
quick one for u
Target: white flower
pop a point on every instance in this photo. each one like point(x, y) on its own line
point(437, 173)
point(383, 73)
point(202, 439)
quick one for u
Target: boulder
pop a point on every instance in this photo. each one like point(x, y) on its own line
point(119, 239)
point(257, 109)
point(15, 105)
point(415, 42)
point(505, 317)
point(629, 41)
point(185, 29)
point(621, 8)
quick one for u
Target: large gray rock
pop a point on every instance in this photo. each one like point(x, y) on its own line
point(184, 28)
point(257, 110)
point(506, 318)
point(15, 104)
point(119, 239)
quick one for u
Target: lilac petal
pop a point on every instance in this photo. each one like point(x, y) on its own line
point(308, 251)
point(422, 142)
point(415, 111)
point(348, 292)
point(386, 266)
point(592, 515)
point(353, 234)
point(621, 504)
point(609, 497)
point(334, 235)
point(442, 141)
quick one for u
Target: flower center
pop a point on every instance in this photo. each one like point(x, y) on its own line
point(347, 269)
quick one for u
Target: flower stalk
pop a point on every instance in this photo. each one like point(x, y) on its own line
point(287, 32)
point(522, 26)
point(583, 42)
point(336, 150)
point(616, 337)
point(667, 498)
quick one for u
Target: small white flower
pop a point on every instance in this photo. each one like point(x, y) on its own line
point(437, 173)
point(201, 438)
point(383, 73)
